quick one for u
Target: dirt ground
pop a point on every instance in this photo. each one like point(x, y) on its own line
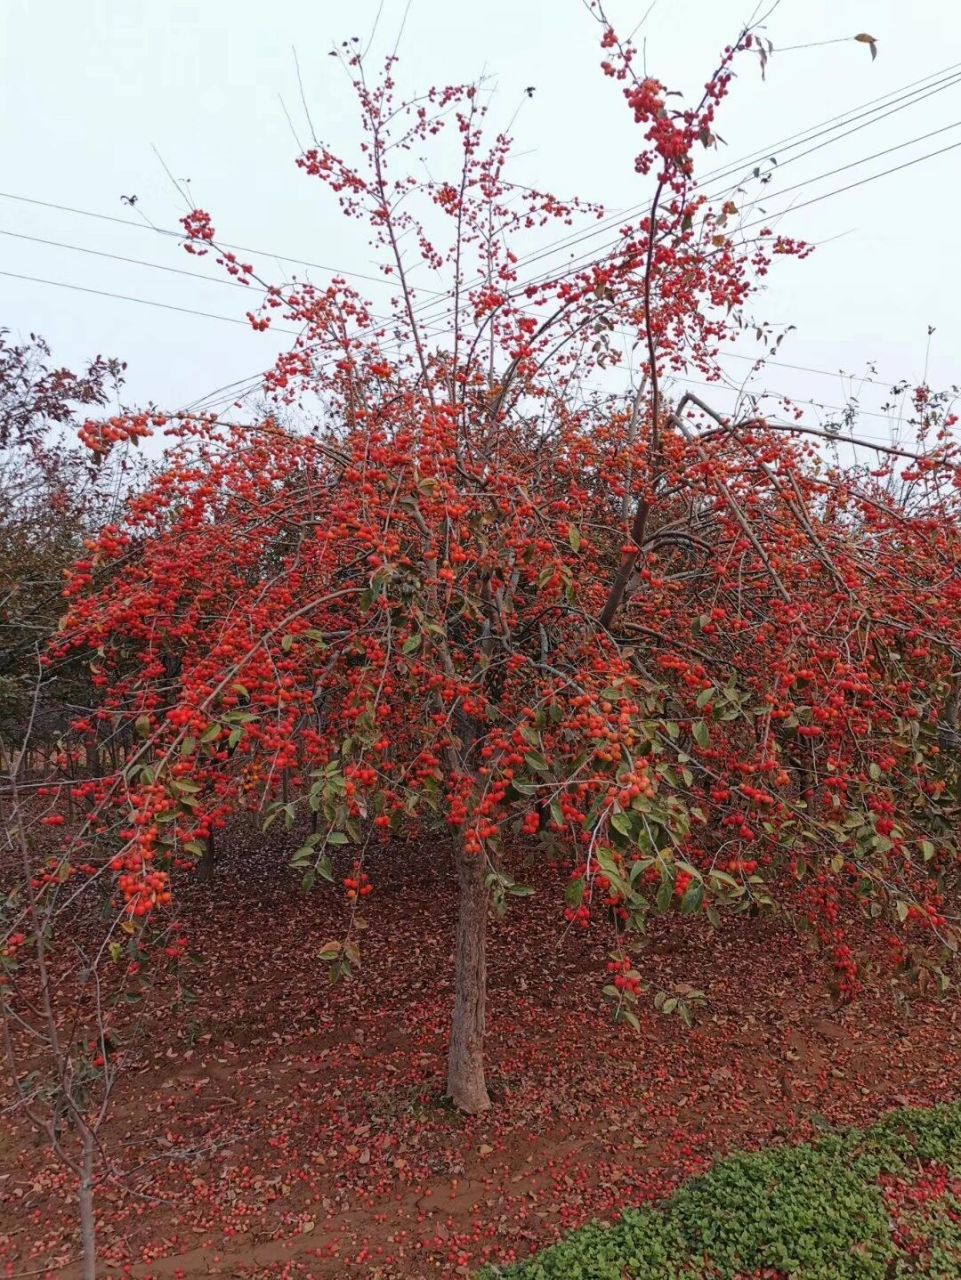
point(276, 1126)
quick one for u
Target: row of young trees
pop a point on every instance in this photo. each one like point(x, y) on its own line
point(51, 498)
point(697, 658)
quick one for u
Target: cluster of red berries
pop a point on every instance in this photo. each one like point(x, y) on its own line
point(746, 866)
point(846, 969)
point(578, 915)
point(198, 226)
point(13, 943)
point(142, 890)
point(626, 978)
point(100, 437)
point(682, 882)
point(357, 883)
point(177, 948)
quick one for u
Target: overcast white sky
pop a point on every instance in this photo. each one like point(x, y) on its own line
point(88, 86)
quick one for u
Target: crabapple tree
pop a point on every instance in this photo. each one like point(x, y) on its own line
point(699, 658)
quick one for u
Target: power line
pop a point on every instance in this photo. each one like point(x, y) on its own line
point(942, 79)
point(784, 364)
point(868, 118)
point(147, 302)
point(718, 385)
point(843, 118)
point(851, 186)
point(853, 164)
point(590, 259)
point(138, 262)
point(578, 237)
point(777, 395)
point(180, 235)
point(770, 217)
point(806, 135)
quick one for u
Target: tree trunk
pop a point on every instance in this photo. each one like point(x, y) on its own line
point(88, 1235)
point(208, 860)
point(466, 1085)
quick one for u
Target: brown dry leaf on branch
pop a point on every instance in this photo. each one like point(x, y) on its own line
point(870, 41)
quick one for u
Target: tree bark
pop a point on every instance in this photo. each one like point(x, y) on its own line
point(88, 1233)
point(208, 860)
point(466, 1085)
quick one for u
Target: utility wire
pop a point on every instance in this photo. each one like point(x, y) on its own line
point(137, 262)
point(943, 79)
point(738, 167)
point(254, 379)
point(147, 302)
point(590, 259)
point(180, 235)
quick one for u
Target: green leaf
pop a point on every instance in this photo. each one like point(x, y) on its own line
point(622, 823)
point(639, 867)
point(329, 951)
point(705, 696)
point(574, 893)
point(607, 862)
point(210, 733)
point(142, 725)
point(287, 643)
point(692, 899)
point(412, 643)
point(534, 760)
point(701, 734)
point(574, 538)
point(524, 788)
point(520, 890)
point(337, 837)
